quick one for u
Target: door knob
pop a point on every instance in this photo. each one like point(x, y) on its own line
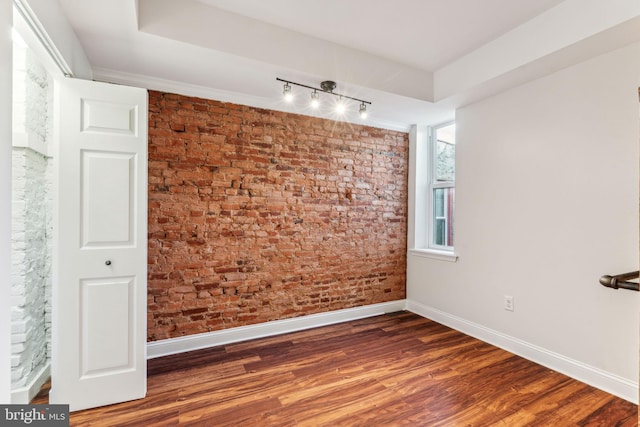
point(108, 262)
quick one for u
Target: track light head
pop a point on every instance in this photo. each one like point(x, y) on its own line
point(363, 110)
point(286, 91)
point(315, 99)
point(340, 107)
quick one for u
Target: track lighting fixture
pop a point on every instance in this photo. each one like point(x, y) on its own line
point(327, 87)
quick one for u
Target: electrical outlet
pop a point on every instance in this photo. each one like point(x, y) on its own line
point(508, 302)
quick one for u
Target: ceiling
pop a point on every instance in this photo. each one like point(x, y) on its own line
point(415, 60)
point(425, 34)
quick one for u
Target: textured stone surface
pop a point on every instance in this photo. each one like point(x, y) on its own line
point(257, 215)
point(31, 221)
point(31, 264)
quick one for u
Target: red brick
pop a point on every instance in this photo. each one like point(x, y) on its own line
point(257, 215)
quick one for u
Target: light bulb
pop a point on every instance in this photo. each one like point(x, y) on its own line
point(340, 107)
point(315, 99)
point(288, 95)
point(363, 111)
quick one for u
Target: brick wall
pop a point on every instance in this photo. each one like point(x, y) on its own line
point(257, 215)
point(31, 226)
point(31, 266)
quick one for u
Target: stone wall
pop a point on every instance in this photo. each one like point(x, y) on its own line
point(31, 227)
point(31, 266)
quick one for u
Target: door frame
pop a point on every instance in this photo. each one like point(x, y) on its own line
point(6, 85)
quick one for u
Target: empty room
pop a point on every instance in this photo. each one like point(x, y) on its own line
point(320, 213)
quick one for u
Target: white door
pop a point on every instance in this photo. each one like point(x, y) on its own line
point(100, 258)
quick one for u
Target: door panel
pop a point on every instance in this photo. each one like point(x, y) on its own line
point(108, 217)
point(107, 348)
point(99, 289)
point(109, 117)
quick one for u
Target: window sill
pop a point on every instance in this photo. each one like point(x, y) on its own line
point(434, 254)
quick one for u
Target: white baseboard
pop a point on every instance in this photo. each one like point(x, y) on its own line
point(23, 395)
point(593, 376)
point(261, 330)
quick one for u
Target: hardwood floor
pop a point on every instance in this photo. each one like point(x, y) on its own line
point(393, 370)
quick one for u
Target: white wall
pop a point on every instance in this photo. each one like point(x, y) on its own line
point(5, 197)
point(546, 203)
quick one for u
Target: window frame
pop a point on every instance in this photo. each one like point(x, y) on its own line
point(433, 185)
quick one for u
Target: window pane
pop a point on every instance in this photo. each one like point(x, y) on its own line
point(440, 233)
point(438, 203)
point(445, 153)
point(443, 207)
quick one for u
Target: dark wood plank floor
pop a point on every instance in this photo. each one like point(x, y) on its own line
point(393, 370)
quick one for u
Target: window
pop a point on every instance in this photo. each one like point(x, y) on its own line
point(432, 170)
point(442, 172)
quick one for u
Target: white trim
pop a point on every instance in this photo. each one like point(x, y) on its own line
point(591, 375)
point(188, 89)
point(267, 329)
point(23, 395)
point(434, 254)
point(41, 34)
point(30, 141)
point(6, 70)
point(434, 184)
